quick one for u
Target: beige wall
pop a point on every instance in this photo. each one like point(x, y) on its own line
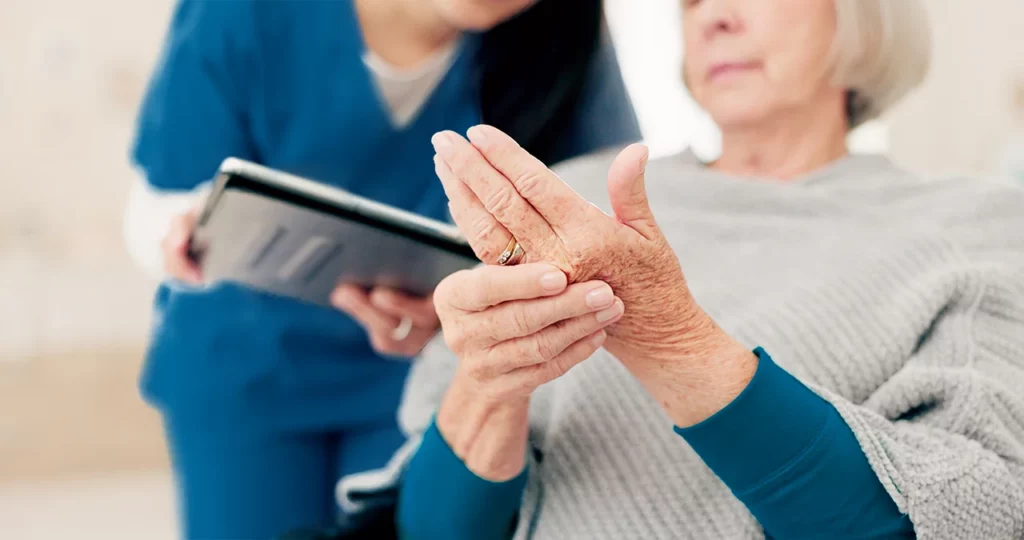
point(74, 312)
point(962, 117)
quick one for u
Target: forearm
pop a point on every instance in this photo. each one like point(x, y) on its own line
point(775, 443)
point(692, 374)
point(148, 217)
point(779, 446)
point(442, 496)
point(490, 437)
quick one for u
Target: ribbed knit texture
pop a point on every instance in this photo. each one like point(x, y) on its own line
point(899, 300)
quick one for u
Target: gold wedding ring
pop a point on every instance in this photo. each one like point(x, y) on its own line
point(513, 253)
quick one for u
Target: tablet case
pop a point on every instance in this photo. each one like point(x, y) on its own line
point(283, 235)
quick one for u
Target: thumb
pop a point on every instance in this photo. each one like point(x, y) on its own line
point(627, 191)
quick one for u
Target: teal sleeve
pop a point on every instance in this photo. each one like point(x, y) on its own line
point(789, 456)
point(194, 112)
point(441, 498)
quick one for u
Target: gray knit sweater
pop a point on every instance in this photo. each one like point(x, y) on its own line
point(899, 300)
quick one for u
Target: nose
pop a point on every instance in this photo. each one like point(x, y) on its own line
point(716, 17)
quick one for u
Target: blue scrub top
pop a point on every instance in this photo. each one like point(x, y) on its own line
point(284, 84)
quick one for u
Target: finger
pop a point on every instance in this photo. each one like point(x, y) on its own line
point(356, 303)
point(527, 317)
point(486, 236)
point(396, 304)
point(406, 348)
point(184, 269)
point(549, 343)
point(495, 191)
point(556, 202)
point(177, 262)
point(530, 377)
point(628, 193)
point(487, 286)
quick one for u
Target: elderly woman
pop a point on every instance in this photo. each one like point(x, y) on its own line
point(839, 344)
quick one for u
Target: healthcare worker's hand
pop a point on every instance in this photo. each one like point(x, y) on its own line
point(398, 325)
point(177, 263)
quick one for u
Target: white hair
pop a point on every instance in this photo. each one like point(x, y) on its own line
point(882, 51)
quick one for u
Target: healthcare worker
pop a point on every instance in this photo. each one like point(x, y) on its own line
point(267, 401)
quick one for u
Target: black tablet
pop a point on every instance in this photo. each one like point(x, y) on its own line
point(291, 236)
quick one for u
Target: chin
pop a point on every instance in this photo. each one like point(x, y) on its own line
point(480, 16)
point(737, 110)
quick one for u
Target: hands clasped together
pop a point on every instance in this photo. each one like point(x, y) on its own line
point(587, 280)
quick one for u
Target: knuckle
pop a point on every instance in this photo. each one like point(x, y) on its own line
point(520, 321)
point(455, 338)
point(483, 228)
point(444, 293)
point(530, 184)
point(540, 348)
point(500, 203)
point(486, 253)
point(548, 372)
point(559, 366)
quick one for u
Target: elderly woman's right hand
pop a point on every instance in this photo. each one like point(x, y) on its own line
point(513, 329)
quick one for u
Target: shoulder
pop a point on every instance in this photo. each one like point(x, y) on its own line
point(955, 203)
point(215, 32)
point(297, 17)
point(960, 201)
point(983, 218)
point(203, 20)
point(984, 214)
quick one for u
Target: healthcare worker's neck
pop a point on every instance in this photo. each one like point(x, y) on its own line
point(403, 32)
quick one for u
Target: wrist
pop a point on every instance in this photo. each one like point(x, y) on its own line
point(489, 435)
point(696, 373)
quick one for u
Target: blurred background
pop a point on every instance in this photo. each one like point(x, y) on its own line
point(80, 455)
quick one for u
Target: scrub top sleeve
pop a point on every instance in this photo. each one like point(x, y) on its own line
point(194, 112)
point(605, 116)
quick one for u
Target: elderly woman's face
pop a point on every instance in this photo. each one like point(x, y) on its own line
point(747, 60)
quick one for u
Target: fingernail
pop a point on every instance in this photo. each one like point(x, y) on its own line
point(340, 298)
point(598, 339)
point(553, 281)
point(442, 142)
point(477, 135)
point(600, 298)
point(610, 313)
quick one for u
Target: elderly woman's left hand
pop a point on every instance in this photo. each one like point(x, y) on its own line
point(496, 190)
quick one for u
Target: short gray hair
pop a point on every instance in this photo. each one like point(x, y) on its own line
point(882, 51)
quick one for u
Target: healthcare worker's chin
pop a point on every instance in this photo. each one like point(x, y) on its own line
point(480, 15)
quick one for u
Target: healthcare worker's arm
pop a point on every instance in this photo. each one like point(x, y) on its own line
point(194, 114)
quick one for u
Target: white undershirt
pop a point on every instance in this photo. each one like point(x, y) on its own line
point(406, 91)
point(149, 212)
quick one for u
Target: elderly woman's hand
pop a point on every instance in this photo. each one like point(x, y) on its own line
point(513, 329)
point(497, 190)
